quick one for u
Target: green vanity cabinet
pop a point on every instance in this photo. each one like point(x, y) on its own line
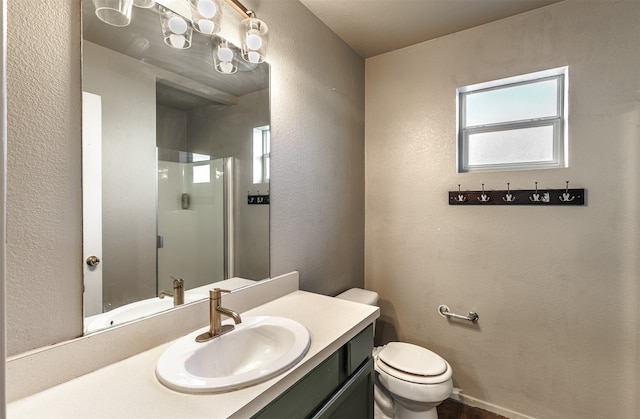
point(340, 387)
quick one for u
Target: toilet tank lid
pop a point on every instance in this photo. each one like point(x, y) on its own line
point(360, 295)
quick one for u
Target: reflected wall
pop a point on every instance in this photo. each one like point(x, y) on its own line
point(128, 91)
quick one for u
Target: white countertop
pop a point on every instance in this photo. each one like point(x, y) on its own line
point(129, 388)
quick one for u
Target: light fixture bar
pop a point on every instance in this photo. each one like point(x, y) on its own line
point(240, 8)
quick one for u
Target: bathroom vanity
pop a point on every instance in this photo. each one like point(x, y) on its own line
point(334, 377)
point(342, 386)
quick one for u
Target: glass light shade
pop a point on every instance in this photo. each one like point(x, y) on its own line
point(144, 4)
point(176, 31)
point(205, 15)
point(224, 58)
point(254, 34)
point(114, 12)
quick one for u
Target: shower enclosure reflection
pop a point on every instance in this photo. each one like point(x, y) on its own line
point(192, 219)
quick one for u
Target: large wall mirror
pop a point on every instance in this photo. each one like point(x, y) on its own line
point(175, 168)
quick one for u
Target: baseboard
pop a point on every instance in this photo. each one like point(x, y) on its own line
point(490, 407)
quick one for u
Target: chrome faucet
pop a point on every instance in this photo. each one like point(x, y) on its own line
point(178, 291)
point(216, 328)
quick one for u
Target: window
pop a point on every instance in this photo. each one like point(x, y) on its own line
point(201, 172)
point(261, 154)
point(513, 123)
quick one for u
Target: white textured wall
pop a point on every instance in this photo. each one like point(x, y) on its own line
point(556, 288)
point(44, 206)
point(317, 223)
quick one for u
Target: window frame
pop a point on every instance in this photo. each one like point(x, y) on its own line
point(261, 154)
point(557, 122)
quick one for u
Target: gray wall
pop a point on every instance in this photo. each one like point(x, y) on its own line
point(317, 214)
point(228, 131)
point(317, 115)
point(128, 91)
point(171, 128)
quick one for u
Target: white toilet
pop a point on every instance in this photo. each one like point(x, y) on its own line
point(410, 380)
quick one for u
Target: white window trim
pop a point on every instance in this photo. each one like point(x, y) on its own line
point(558, 122)
point(261, 143)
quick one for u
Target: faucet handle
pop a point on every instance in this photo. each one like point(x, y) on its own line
point(216, 293)
point(177, 282)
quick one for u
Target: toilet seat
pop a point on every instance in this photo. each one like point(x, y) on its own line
point(412, 363)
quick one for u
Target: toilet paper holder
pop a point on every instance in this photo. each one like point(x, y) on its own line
point(446, 312)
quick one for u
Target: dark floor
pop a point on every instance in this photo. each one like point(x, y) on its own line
point(450, 409)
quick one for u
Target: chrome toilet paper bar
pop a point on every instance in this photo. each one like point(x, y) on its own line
point(445, 312)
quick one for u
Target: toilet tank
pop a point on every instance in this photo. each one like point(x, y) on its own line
point(360, 295)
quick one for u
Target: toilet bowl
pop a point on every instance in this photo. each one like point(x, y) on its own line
point(410, 380)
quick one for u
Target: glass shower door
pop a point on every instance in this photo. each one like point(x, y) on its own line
point(191, 219)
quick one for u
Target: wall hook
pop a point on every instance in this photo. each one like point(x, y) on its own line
point(484, 197)
point(549, 197)
point(566, 196)
point(536, 196)
point(460, 197)
point(508, 196)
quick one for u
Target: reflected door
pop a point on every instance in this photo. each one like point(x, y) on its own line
point(92, 202)
point(191, 219)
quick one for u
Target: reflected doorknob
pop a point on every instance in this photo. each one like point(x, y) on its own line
point(93, 261)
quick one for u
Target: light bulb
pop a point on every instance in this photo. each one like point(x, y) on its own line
point(206, 26)
point(226, 67)
point(207, 8)
point(177, 41)
point(253, 57)
point(177, 25)
point(225, 54)
point(253, 40)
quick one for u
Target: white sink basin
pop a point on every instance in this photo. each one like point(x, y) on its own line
point(258, 349)
point(135, 311)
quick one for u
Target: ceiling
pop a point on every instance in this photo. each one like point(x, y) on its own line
point(373, 27)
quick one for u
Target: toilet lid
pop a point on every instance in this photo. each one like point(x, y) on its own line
point(412, 359)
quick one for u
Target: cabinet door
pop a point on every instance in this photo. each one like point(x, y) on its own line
point(358, 350)
point(304, 397)
point(354, 400)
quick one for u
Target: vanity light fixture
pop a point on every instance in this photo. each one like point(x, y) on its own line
point(114, 12)
point(205, 16)
point(253, 33)
point(254, 39)
point(177, 29)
